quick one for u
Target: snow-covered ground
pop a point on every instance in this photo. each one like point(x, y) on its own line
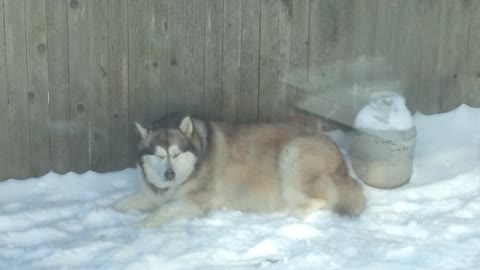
point(66, 222)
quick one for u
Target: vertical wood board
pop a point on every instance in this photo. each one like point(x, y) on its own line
point(213, 58)
point(17, 87)
point(176, 96)
point(231, 58)
point(59, 87)
point(98, 98)
point(5, 172)
point(157, 59)
point(80, 85)
point(118, 129)
point(195, 56)
point(247, 108)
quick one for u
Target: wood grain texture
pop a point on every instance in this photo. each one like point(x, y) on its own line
point(137, 62)
point(98, 97)
point(38, 85)
point(297, 77)
point(410, 56)
point(385, 38)
point(331, 63)
point(269, 55)
point(428, 97)
point(157, 59)
point(176, 96)
point(231, 58)
point(452, 52)
point(17, 87)
point(397, 46)
point(470, 81)
point(285, 14)
point(247, 108)
point(331, 45)
point(364, 33)
point(137, 70)
point(59, 87)
point(118, 126)
point(5, 164)
point(80, 85)
point(195, 56)
point(213, 58)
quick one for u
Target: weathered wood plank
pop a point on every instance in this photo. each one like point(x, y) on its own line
point(118, 129)
point(79, 84)
point(285, 13)
point(428, 99)
point(4, 123)
point(452, 52)
point(384, 39)
point(331, 42)
point(37, 70)
point(247, 100)
point(410, 49)
point(391, 29)
point(176, 96)
point(394, 21)
point(297, 77)
point(16, 62)
point(213, 58)
point(470, 82)
point(317, 45)
point(364, 30)
point(98, 98)
point(157, 55)
point(137, 62)
point(231, 58)
point(195, 56)
point(138, 68)
point(59, 88)
point(269, 53)
point(398, 28)
point(331, 70)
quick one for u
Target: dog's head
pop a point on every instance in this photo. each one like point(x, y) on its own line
point(166, 153)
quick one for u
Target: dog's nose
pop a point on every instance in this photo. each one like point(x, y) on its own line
point(169, 175)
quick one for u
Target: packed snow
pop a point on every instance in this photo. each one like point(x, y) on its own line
point(67, 221)
point(386, 111)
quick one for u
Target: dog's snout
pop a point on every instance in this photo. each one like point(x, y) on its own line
point(169, 175)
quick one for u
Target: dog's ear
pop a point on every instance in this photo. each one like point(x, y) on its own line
point(141, 130)
point(186, 126)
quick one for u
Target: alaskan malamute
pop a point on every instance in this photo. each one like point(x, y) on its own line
point(188, 167)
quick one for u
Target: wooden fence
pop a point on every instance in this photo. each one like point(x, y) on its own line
point(75, 74)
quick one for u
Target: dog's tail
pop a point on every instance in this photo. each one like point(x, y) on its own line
point(351, 200)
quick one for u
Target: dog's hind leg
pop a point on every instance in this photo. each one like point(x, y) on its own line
point(314, 176)
point(311, 194)
point(138, 201)
point(351, 200)
point(298, 182)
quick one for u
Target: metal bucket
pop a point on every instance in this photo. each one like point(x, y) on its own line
point(383, 158)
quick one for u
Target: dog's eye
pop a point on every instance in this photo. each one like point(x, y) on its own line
point(161, 157)
point(176, 155)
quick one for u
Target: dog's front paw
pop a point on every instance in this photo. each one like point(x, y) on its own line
point(121, 206)
point(153, 221)
point(144, 224)
point(137, 202)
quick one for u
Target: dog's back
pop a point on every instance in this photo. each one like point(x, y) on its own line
point(268, 167)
